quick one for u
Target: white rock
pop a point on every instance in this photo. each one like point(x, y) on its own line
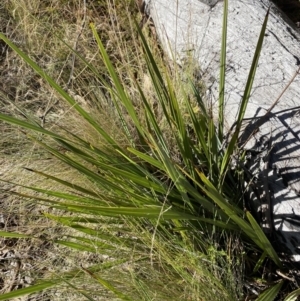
point(194, 27)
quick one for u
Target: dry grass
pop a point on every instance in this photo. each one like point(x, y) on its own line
point(40, 28)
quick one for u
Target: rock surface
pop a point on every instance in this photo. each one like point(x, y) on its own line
point(194, 28)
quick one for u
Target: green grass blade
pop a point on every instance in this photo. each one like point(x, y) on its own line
point(79, 167)
point(152, 123)
point(134, 176)
point(121, 118)
point(65, 196)
point(59, 194)
point(127, 172)
point(149, 159)
point(233, 142)
point(182, 185)
point(108, 286)
point(200, 101)
point(260, 262)
point(59, 90)
point(135, 181)
point(120, 93)
point(13, 235)
point(230, 210)
point(267, 247)
point(65, 183)
point(46, 284)
point(157, 79)
point(98, 244)
point(106, 240)
point(27, 125)
point(222, 72)
point(149, 212)
point(252, 72)
point(33, 197)
point(201, 199)
point(28, 290)
point(293, 296)
point(88, 297)
point(66, 220)
point(199, 124)
point(180, 131)
point(270, 293)
point(213, 150)
point(77, 246)
point(152, 63)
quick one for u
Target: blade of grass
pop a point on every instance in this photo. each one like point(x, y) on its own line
point(293, 296)
point(233, 142)
point(107, 285)
point(229, 210)
point(27, 125)
point(270, 293)
point(121, 95)
point(46, 284)
point(65, 183)
point(267, 246)
point(260, 262)
point(222, 72)
point(146, 212)
point(213, 151)
point(13, 235)
point(200, 101)
point(77, 246)
point(103, 241)
point(59, 90)
point(152, 123)
point(29, 290)
point(199, 125)
point(88, 297)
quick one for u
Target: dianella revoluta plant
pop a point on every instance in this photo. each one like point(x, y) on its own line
point(183, 189)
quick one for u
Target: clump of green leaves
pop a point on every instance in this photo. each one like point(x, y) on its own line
point(178, 200)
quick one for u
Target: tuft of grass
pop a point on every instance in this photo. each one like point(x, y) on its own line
point(136, 173)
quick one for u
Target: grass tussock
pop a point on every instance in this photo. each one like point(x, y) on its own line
point(116, 181)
